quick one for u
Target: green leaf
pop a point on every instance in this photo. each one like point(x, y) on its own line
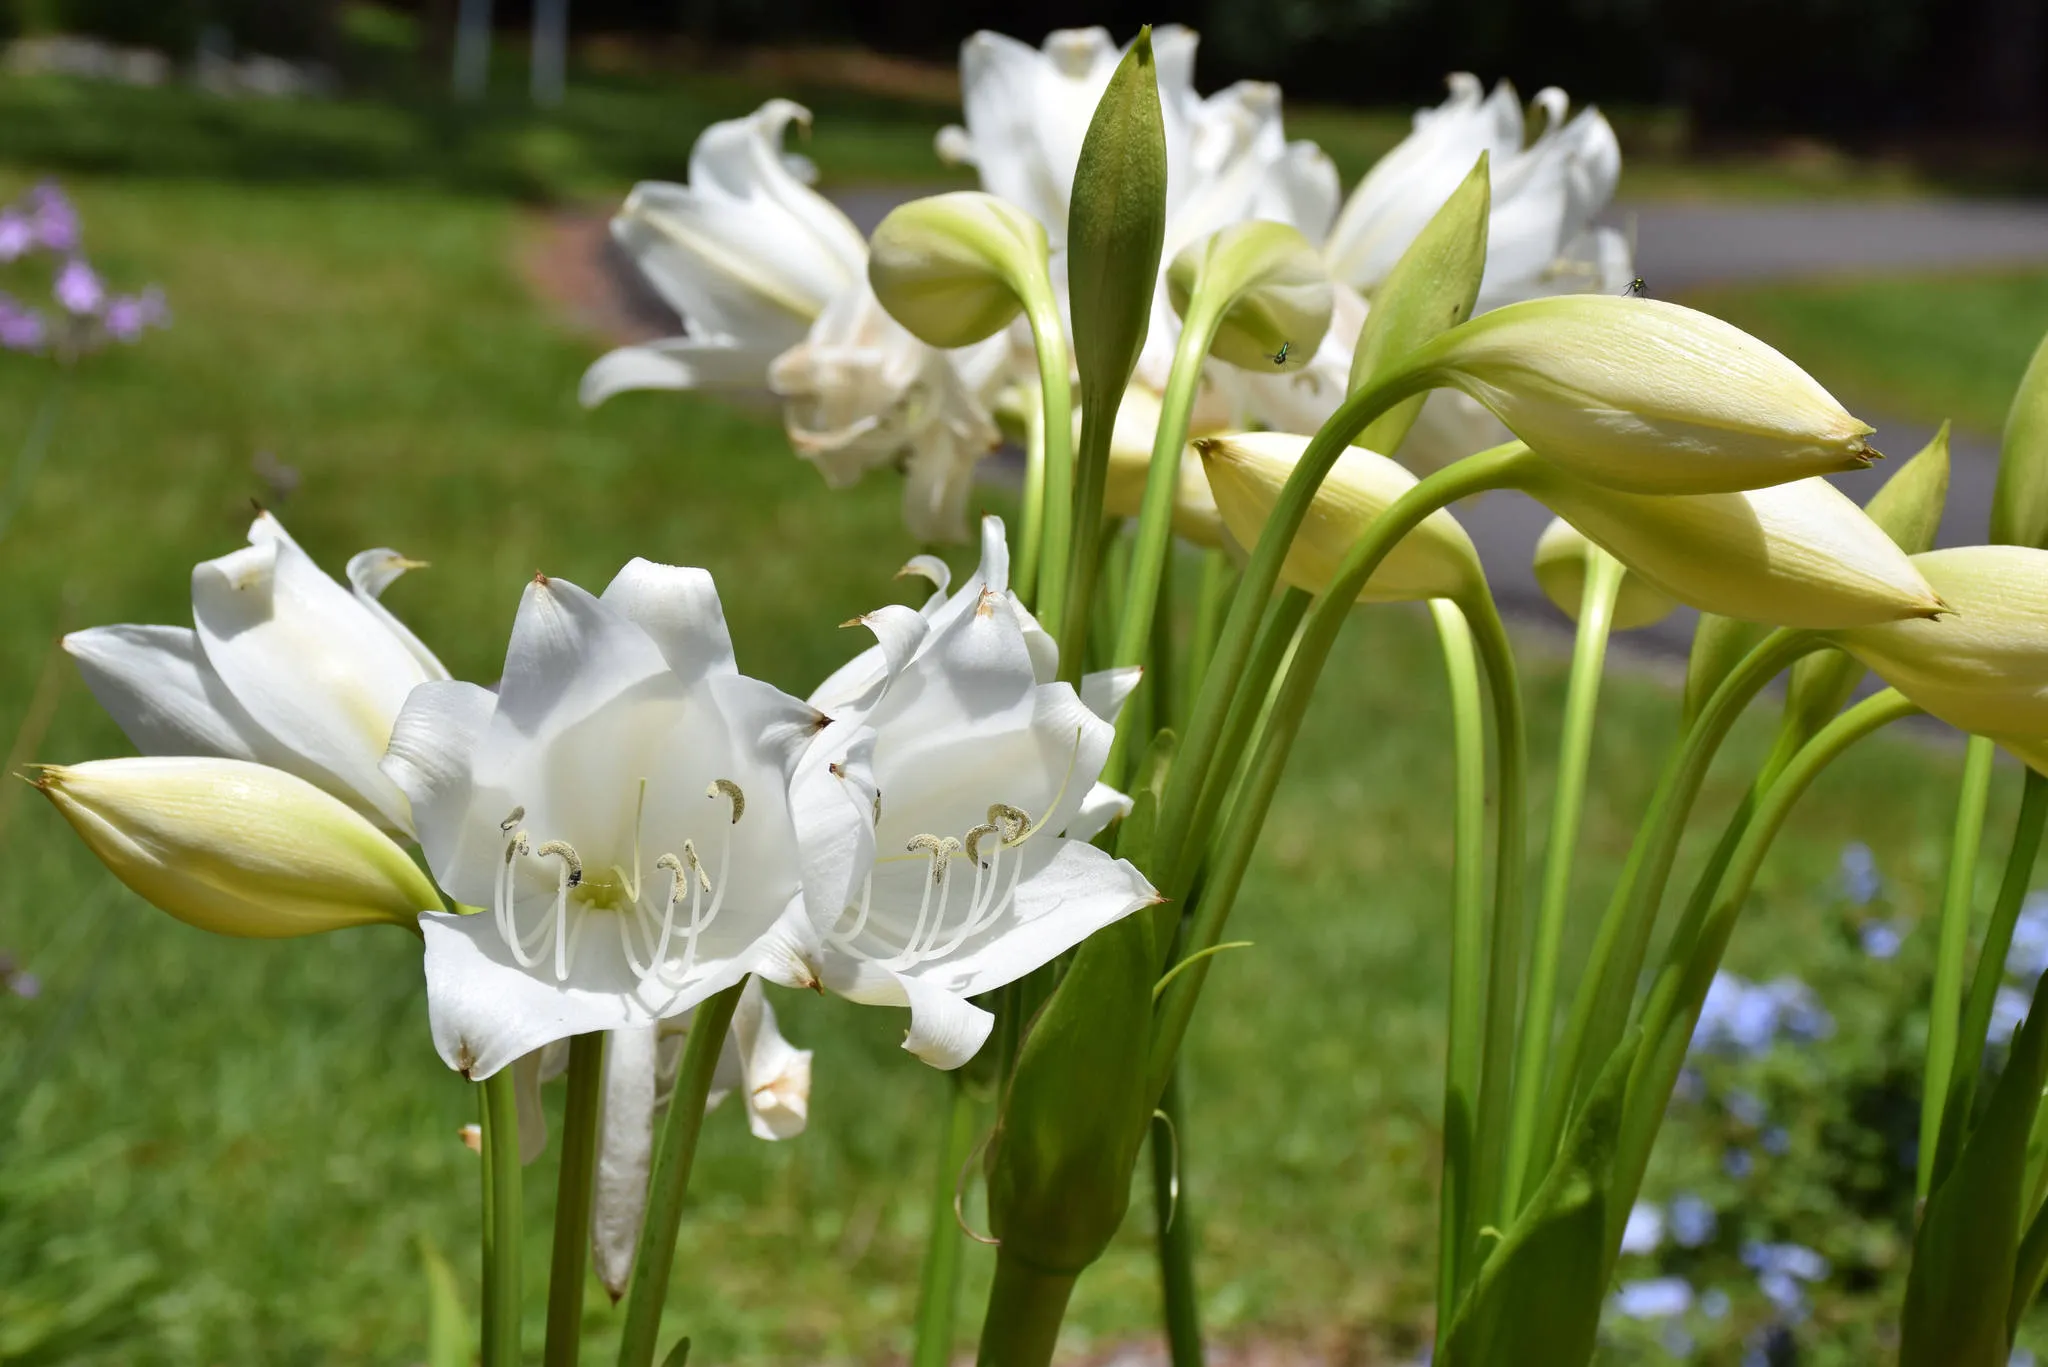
point(2019, 501)
point(1718, 645)
point(1431, 289)
point(1909, 508)
point(448, 1336)
point(1060, 1165)
point(1536, 1302)
point(1959, 1292)
point(679, 1355)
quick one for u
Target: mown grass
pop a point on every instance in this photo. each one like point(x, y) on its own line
point(238, 1144)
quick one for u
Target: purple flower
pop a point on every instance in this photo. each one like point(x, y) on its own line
point(17, 235)
point(25, 985)
point(56, 221)
point(21, 329)
point(1655, 1299)
point(1692, 1220)
point(128, 314)
point(78, 289)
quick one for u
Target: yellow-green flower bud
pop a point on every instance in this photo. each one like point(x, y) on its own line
point(1279, 295)
point(1794, 555)
point(1647, 396)
point(1983, 668)
point(2019, 501)
point(237, 848)
point(957, 268)
point(1130, 462)
point(1561, 572)
point(1247, 472)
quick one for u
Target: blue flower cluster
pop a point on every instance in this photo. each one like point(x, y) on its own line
point(1745, 1019)
point(2024, 964)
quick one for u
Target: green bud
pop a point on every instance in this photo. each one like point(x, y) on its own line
point(237, 848)
point(1269, 282)
point(1431, 289)
point(1059, 1175)
point(957, 268)
point(2019, 502)
point(1562, 558)
point(1908, 508)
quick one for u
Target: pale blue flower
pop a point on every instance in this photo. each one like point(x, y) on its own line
point(1860, 881)
point(1692, 1221)
point(1644, 1232)
point(1655, 1298)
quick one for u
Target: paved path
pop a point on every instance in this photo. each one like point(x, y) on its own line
point(1683, 246)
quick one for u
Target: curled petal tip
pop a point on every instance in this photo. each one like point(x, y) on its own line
point(861, 620)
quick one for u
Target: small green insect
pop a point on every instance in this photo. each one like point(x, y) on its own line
point(1280, 356)
point(1635, 286)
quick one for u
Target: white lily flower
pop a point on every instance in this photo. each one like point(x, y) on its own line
point(618, 807)
point(771, 1076)
point(944, 816)
point(287, 668)
point(746, 252)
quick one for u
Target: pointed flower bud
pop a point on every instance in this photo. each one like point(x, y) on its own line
point(237, 848)
point(1561, 572)
point(1247, 472)
point(1277, 294)
point(1647, 396)
point(957, 268)
point(1795, 555)
point(2019, 502)
point(1983, 668)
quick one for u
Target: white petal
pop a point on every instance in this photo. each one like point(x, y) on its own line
point(569, 655)
point(715, 362)
point(156, 683)
point(679, 608)
point(308, 662)
point(1105, 691)
point(775, 1074)
point(771, 727)
point(850, 689)
point(832, 804)
point(370, 573)
point(433, 749)
point(625, 1154)
point(1103, 805)
point(946, 1030)
point(1075, 893)
point(533, 1116)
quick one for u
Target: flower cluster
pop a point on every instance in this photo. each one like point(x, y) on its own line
point(43, 223)
point(771, 279)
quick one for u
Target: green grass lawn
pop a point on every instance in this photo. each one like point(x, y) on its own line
point(1923, 346)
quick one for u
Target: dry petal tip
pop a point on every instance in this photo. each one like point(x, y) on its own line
point(540, 579)
point(857, 621)
point(1207, 446)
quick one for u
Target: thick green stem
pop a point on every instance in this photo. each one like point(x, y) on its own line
point(1212, 600)
point(1465, 1009)
point(1155, 516)
point(655, 1257)
point(1600, 1008)
point(1487, 470)
point(1173, 1230)
point(1492, 1198)
point(1240, 628)
point(1945, 1003)
point(1025, 1307)
point(1056, 404)
point(938, 1292)
point(1976, 1022)
point(572, 1201)
point(1574, 754)
point(502, 1221)
point(1673, 1010)
point(1031, 520)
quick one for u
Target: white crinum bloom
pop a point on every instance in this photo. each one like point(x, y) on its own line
point(286, 668)
point(617, 809)
point(944, 815)
point(771, 281)
point(771, 1076)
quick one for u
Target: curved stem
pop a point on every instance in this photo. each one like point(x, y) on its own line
point(1493, 1195)
point(578, 1170)
point(502, 1221)
point(1056, 405)
point(655, 1257)
point(1240, 628)
point(1465, 1005)
point(1673, 1010)
point(1976, 1022)
point(1025, 1307)
point(1155, 516)
point(1180, 1300)
point(938, 1293)
point(1945, 1004)
point(1600, 1008)
point(1492, 469)
point(1031, 522)
point(1574, 754)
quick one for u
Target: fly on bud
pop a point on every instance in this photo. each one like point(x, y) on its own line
point(237, 848)
point(1269, 286)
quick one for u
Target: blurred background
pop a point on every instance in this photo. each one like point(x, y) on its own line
point(376, 239)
